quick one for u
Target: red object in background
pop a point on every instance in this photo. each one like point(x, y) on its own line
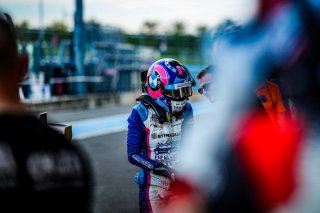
point(269, 157)
point(184, 197)
point(55, 41)
point(23, 65)
point(266, 7)
point(25, 58)
point(59, 88)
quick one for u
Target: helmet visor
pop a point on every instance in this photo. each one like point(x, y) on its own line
point(178, 94)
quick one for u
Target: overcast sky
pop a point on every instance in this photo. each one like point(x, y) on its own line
point(130, 14)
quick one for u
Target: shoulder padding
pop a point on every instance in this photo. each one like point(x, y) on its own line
point(147, 101)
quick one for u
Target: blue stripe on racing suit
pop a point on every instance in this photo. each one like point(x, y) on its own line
point(136, 140)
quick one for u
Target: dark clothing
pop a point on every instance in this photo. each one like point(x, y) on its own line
point(39, 170)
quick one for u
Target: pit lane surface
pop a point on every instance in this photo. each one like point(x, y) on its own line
point(114, 190)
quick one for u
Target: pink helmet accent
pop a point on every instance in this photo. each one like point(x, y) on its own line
point(179, 70)
point(163, 79)
point(163, 74)
point(154, 94)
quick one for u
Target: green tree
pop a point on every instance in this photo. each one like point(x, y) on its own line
point(149, 27)
point(92, 21)
point(201, 30)
point(58, 26)
point(24, 25)
point(179, 28)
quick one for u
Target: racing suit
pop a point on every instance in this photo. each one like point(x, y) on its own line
point(148, 144)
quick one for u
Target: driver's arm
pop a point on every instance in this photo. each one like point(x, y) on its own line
point(136, 138)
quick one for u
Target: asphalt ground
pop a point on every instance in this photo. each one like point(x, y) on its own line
point(114, 188)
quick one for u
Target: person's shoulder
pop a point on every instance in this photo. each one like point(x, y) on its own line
point(139, 106)
point(141, 109)
point(27, 136)
point(29, 128)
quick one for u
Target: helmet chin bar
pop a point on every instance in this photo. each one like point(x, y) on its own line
point(178, 98)
point(177, 106)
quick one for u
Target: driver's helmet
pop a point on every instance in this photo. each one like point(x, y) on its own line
point(169, 83)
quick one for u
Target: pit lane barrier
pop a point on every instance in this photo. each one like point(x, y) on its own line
point(64, 129)
point(88, 101)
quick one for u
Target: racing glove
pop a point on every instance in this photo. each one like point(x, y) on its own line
point(163, 170)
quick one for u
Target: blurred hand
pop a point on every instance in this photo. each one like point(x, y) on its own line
point(164, 170)
point(184, 198)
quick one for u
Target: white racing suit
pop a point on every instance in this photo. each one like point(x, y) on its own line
point(149, 143)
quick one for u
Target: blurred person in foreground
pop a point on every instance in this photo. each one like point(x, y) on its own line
point(155, 130)
point(241, 162)
point(39, 170)
point(205, 78)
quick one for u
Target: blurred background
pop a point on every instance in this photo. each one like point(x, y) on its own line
point(85, 59)
point(78, 47)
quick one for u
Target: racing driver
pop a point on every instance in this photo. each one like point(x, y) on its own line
point(154, 130)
